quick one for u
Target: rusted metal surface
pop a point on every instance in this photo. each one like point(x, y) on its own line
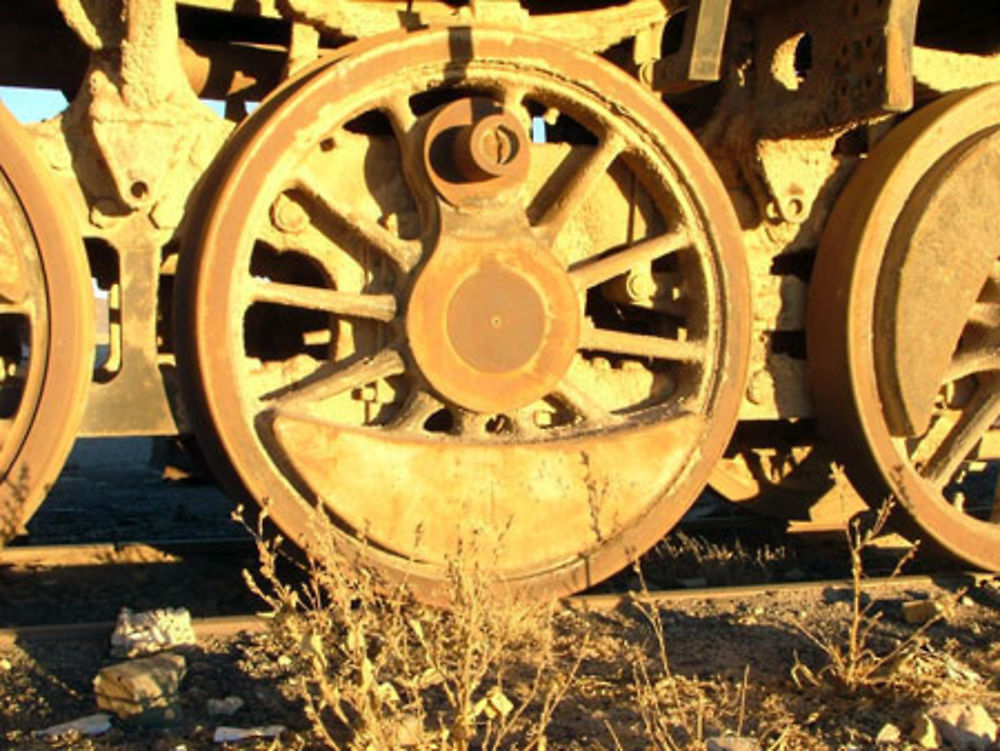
point(383, 268)
point(128, 151)
point(46, 326)
point(912, 194)
point(499, 432)
point(589, 30)
point(699, 60)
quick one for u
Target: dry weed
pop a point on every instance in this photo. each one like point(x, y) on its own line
point(378, 670)
point(682, 556)
point(677, 712)
point(852, 662)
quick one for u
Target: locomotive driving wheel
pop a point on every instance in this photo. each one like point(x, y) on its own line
point(46, 330)
point(408, 312)
point(904, 323)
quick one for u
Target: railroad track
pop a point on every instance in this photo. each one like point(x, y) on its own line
point(164, 551)
point(108, 553)
point(224, 626)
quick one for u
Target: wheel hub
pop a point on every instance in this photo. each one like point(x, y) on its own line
point(493, 331)
point(496, 320)
point(493, 320)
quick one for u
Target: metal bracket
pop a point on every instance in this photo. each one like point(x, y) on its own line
point(699, 60)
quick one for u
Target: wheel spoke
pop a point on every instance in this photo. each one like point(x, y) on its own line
point(417, 409)
point(340, 377)
point(593, 271)
point(968, 363)
point(976, 419)
point(641, 345)
point(402, 119)
point(19, 307)
point(580, 186)
point(401, 116)
point(351, 304)
point(985, 314)
point(513, 101)
point(404, 253)
point(582, 403)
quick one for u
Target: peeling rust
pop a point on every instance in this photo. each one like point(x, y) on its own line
point(551, 256)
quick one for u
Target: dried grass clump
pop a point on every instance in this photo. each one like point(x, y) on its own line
point(682, 556)
point(677, 712)
point(379, 670)
point(852, 661)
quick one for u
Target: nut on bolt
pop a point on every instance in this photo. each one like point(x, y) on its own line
point(288, 216)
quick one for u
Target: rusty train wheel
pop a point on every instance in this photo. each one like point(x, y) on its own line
point(46, 330)
point(405, 311)
point(904, 323)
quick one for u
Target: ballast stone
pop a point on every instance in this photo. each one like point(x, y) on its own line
point(144, 689)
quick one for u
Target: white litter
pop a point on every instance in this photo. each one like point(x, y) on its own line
point(225, 734)
point(151, 631)
point(94, 724)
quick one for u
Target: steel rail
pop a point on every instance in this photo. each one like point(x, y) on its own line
point(224, 626)
point(138, 551)
point(111, 553)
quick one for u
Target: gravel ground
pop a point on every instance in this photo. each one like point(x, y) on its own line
point(742, 666)
point(715, 648)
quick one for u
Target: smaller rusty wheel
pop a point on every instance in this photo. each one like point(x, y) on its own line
point(404, 311)
point(46, 330)
point(904, 323)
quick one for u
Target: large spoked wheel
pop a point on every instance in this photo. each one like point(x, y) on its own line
point(406, 312)
point(904, 323)
point(46, 330)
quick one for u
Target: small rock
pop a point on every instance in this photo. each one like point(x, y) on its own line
point(145, 688)
point(919, 611)
point(732, 743)
point(889, 734)
point(5, 665)
point(225, 734)
point(151, 631)
point(94, 724)
point(966, 600)
point(967, 727)
point(284, 660)
point(925, 733)
point(408, 731)
point(228, 706)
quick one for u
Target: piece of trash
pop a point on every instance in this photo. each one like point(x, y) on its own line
point(732, 743)
point(225, 734)
point(228, 706)
point(147, 686)
point(888, 734)
point(94, 724)
point(151, 631)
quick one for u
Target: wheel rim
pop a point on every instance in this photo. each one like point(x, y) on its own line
point(499, 440)
point(46, 326)
point(918, 426)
